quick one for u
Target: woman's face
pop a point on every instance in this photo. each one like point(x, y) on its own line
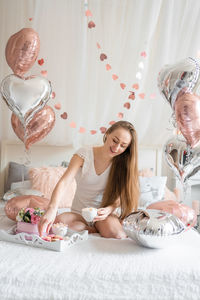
point(117, 141)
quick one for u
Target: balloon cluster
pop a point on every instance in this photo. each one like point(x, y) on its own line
point(26, 97)
point(180, 86)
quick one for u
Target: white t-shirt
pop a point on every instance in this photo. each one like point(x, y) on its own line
point(90, 186)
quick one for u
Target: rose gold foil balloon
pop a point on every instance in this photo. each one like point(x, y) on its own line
point(187, 111)
point(14, 205)
point(22, 50)
point(185, 213)
point(40, 125)
point(25, 96)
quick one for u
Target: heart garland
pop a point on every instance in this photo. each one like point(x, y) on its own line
point(104, 58)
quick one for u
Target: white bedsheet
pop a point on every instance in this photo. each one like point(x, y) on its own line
point(101, 269)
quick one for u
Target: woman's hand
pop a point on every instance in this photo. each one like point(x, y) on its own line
point(46, 221)
point(103, 213)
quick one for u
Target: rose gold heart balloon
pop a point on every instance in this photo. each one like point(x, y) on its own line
point(40, 125)
point(185, 213)
point(187, 111)
point(22, 50)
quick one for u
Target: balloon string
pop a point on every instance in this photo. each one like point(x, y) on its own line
point(27, 158)
point(186, 193)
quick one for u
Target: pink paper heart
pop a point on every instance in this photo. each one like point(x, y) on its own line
point(44, 73)
point(91, 24)
point(135, 86)
point(57, 106)
point(40, 61)
point(98, 46)
point(103, 129)
point(142, 95)
point(120, 115)
point(127, 105)
point(103, 56)
point(64, 116)
point(88, 13)
point(143, 54)
point(152, 96)
point(82, 129)
point(111, 122)
point(93, 131)
point(131, 96)
point(114, 77)
point(108, 67)
point(122, 86)
point(72, 125)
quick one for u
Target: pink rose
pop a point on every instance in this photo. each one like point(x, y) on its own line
point(31, 210)
point(35, 219)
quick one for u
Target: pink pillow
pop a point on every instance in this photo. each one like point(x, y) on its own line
point(184, 213)
point(13, 205)
point(45, 179)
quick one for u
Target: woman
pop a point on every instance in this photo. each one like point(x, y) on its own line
point(107, 177)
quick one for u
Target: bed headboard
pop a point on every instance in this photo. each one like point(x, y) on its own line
point(53, 155)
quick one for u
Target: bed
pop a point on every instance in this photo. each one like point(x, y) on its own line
point(97, 268)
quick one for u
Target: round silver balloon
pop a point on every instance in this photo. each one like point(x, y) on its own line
point(182, 76)
point(153, 228)
point(182, 159)
point(25, 96)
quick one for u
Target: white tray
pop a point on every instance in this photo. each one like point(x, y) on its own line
point(71, 238)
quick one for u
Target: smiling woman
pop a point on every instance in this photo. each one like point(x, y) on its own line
point(104, 177)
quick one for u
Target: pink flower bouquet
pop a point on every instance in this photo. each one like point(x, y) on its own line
point(28, 219)
point(30, 215)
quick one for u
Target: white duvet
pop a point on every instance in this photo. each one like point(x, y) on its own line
point(101, 269)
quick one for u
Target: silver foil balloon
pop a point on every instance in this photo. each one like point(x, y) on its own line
point(153, 228)
point(25, 96)
point(182, 159)
point(182, 76)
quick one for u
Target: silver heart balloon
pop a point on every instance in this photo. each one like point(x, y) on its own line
point(182, 159)
point(25, 96)
point(182, 76)
point(153, 228)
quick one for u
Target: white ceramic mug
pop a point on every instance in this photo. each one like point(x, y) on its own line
point(89, 213)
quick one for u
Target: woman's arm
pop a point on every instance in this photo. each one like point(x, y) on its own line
point(104, 212)
point(65, 181)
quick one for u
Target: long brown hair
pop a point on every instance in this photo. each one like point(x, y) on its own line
point(123, 179)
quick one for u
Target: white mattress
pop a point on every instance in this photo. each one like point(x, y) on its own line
point(101, 269)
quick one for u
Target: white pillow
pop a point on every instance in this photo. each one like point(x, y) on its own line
point(20, 192)
point(152, 189)
point(26, 184)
